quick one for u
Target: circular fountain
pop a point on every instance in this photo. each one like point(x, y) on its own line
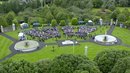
point(26, 45)
point(105, 39)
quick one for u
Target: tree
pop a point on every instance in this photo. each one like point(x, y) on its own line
point(111, 5)
point(43, 66)
point(126, 12)
point(3, 21)
point(97, 3)
point(114, 14)
point(53, 22)
point(18, 67)
point(127, 23)
point(123, 2)
point(122, 17)
point(62, 23)
point(122, 65)
point(72, 64)
point(10, 17)
point(107, 59)
point(47, 14)
point(74, 21)
point(26, 19)
point(15, 21)
point(96, 19)
point(104, 5)
point(61, 16)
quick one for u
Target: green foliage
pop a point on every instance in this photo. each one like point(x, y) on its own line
point(43, 66)
point(15, 21)
point(3, 21)
point(123, 2)
point(9, 17)
point(62, 23)
point(107, 59)
point(112, 6)
point(73, 63)
point(80, 4)
point(126, 12)
point(122, 17)
point(97, 3)
point(18, 67)
point(34, 19)
point(47, 14)
point(115, 13)
point(53, 23)
point(96, 19)
point(74, 21)
point(25, 19)
point(61, 16)
point(122, 65)
point(127, 23)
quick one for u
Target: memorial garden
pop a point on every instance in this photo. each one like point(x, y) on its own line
point(69, 36)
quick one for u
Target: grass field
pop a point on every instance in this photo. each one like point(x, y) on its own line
point(46, 53)
point(123, 34)
point(4, 47)
point(93, 48)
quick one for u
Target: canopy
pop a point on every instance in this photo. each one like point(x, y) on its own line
point(90, 21)
point(24, 25)
point(20, 34)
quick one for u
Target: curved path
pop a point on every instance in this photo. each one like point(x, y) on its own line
point(109, 32)
point(13, 51)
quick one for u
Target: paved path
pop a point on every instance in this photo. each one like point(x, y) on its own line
point(9, 37)
point(109, 32)
point(126, 45)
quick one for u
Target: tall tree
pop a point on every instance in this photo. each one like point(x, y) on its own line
point(107, 59)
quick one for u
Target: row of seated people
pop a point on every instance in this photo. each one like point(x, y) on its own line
point(82, 31)
point(44, 33)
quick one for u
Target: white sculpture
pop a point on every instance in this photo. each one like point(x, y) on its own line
point(13, 26)
point(111, 21)
point(116, 22)
point(2, 30)
point(101, 21)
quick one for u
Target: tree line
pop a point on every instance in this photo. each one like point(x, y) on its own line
point(109, 61)
point(45, 11)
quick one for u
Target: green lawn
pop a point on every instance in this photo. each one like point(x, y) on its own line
point(93, 49)
point(122, 8)
point(46, 52)
point(4, 47)
point(123, 34)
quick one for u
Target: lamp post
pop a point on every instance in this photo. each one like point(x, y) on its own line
point(86, 50)
point(74, 42)
point(73, 47)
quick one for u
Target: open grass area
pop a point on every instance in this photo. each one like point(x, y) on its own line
point(93, 48)
point(13, 34)
point(123, 34)
point(46, 52)
point(4, 47)
point(122, 8)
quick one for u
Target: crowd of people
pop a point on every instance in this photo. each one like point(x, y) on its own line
point(53, 32)
point(82, 31)
point(44, 34)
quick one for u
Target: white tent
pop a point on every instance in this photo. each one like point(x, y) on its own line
point(24, 25)
point(21, 36)
point(90, 21)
